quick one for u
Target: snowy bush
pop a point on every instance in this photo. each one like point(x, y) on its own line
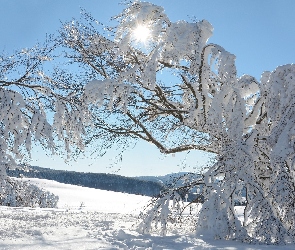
point(169, 208)
point(161, 212)
point(18, 193)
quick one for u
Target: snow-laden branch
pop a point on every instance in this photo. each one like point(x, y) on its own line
point(36, 109)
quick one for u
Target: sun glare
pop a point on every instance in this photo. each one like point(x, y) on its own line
point(141, 33)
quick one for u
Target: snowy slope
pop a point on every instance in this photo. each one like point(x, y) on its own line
point(72, 197)
point(106, 221)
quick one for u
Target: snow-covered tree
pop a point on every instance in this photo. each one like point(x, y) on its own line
point(162, 82)
point(35, 108)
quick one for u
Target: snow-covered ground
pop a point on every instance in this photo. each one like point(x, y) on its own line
point(88, 218)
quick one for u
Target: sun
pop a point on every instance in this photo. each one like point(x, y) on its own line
point(141, 33)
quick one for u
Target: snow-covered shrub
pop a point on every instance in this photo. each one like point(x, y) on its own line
point(162, 210)
point(169, 206)
point(18, 193)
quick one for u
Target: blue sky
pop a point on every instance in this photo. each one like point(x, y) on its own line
point(261, 33)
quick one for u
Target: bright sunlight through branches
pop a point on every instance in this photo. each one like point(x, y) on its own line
point(141, 33)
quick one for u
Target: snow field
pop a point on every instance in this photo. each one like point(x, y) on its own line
point(106, 220)
point(90, 199)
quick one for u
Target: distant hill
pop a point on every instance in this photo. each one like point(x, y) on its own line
point(102, 181)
